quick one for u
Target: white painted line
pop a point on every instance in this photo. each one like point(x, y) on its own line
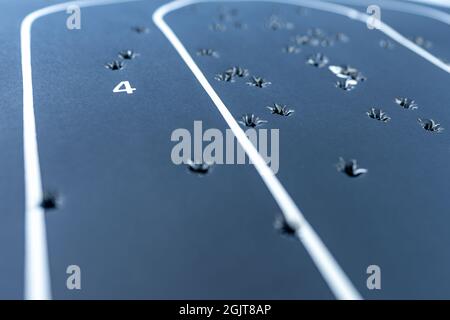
point(37, 275)
point(392, 33)
point(338, 282)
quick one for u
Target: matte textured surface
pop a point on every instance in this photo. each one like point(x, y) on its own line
point(141, 227)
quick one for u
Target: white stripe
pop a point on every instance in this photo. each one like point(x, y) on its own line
point(338, 282)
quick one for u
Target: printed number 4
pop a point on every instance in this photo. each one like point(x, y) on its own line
point(124, 86)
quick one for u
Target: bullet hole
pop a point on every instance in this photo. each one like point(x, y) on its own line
point(208, 53)
point(240, 25)
point(378, 114)
point(316, 37)
point(316, 32)
point(350, 168)
point(237, 72)
point(386, 44)
point(347, 72)
point(230, 74)
point(228, 14)
point(430, 125)
point(317, 60)
point(199, 168)
point(259, 82)
point(224, 17)
point(291, 49)
point(281, 110)
point(50, 200)
point(302, 11)
point(342, 37)
point(421, 42)
point(283, 227)
point(140, 29)
point(252, 121)
point(406, 103)
point(226, 77)
point(115, 65)
point(301, 39)
point(276, 23)
point(346, 85)
point(326, 43)
point(228, 17)
point(128, 54)
point(218, 27)
point(445, 61)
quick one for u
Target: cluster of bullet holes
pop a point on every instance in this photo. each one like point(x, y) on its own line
point(228, 19)
point(316, 37)
point(407, 104)
point(417, 40)
point(51, 200)
point(126, 54)
point(120, 64)
point(232, 73)
point(348, 79)
point(252, 121)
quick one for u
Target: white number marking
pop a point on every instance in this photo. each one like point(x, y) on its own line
point(124, 86)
